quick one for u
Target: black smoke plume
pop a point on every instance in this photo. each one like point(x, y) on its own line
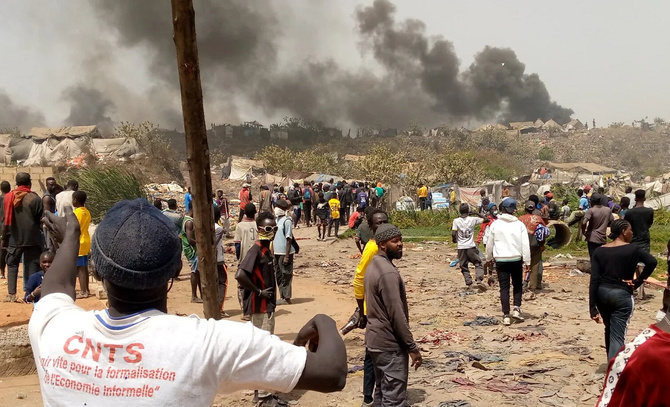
point(418, 77)
point(89, 106)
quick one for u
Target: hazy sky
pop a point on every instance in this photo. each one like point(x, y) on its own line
point(607, 60)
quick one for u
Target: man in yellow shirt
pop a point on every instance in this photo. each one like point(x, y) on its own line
point(84, 217)
point(422, 192)
point(376, 217)
point(334, 205)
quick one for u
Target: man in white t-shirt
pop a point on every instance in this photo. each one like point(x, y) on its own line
point(463, 233)
point(64, 200)
point(134, 352)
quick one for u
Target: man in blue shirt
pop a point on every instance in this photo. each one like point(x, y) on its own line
point(584, 204)
point(188, 199)
point(34, 285)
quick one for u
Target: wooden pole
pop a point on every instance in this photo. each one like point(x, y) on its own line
point(197, 150)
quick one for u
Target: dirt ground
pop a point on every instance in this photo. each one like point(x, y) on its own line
point(555, 358)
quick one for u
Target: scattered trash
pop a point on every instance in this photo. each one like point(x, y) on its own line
point(463, 381)
point(453, 263)
point(438, 336)
point(454, 403)
point(20, 396)
point(354, 369)
point(329, 263)
point(482, 321)
point(355, 256)
point(575, 272)
point(507, 387)
point(479, 365)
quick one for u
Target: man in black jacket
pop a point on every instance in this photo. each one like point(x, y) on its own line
point(22, 234)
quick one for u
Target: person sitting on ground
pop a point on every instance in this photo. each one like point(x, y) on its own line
point(353, 219)
point(34, 291)
point(388, 336)
point(509, 247)
point(136, 257)
point(613, 268)
point(462, 233)
point(84, 217)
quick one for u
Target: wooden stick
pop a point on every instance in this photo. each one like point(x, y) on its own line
point(197, 150)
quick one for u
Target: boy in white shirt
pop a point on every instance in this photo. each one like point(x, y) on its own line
point(462, 233)
point(509, 247)
point(135, 351)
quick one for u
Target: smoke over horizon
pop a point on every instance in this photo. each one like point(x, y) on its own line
point(412, 77)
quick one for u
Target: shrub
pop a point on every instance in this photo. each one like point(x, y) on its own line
point(545, 153)
point(105, 187)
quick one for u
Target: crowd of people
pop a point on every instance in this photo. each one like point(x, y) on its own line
point(50, 236)
point(25, 240)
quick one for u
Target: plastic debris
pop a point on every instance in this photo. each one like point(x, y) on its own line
point(482, 321)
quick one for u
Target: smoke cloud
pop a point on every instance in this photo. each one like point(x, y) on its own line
point(246, 72)
point(87, 106)
point(13, 115)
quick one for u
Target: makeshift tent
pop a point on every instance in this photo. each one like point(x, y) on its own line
point(241, 169)
point(115, 147)
point(538, 123)
point(573, 172)
point(574, 124)
point(54, 151)
point(5, 151)
point(323, 178)
point(551, 124)
point(43, 133)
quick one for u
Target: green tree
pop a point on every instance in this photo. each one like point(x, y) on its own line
point(277, 159)
point(382, 164)
point(155, 145)
point(460, 167)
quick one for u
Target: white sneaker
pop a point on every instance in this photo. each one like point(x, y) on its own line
point(516, 314)
point(507, 321)
point(660, 315)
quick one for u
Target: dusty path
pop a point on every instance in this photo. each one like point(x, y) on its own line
point(556, 357)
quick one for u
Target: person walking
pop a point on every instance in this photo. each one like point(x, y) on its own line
point(388, 337)
point(509, 247)
point(307, 197)
point(21, 233)
point(245, 198)
point(335, 214)
point(596, 221)
point(284, 251)
point(537, 233)
point(422, 193)
point(613, 268)
point(188, 200)
point(5, 188)
point(376, 218)
point(463, 233)
point(135, 341)
point(246, 234)
point(641, 219)
point(191, 253)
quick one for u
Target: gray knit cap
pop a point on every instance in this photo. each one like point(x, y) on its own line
point(386, 232)
point(135, 246)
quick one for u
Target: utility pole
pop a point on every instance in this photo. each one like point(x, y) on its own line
point(197, 150)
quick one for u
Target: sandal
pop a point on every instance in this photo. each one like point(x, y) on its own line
point(224, 315)
point(271, 401)
point(81, 295)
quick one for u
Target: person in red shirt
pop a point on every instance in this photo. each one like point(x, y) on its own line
point(638, 375)
point(245, 198)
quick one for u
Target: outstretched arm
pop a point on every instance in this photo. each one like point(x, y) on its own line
point(63, 271)
point(326, 365)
